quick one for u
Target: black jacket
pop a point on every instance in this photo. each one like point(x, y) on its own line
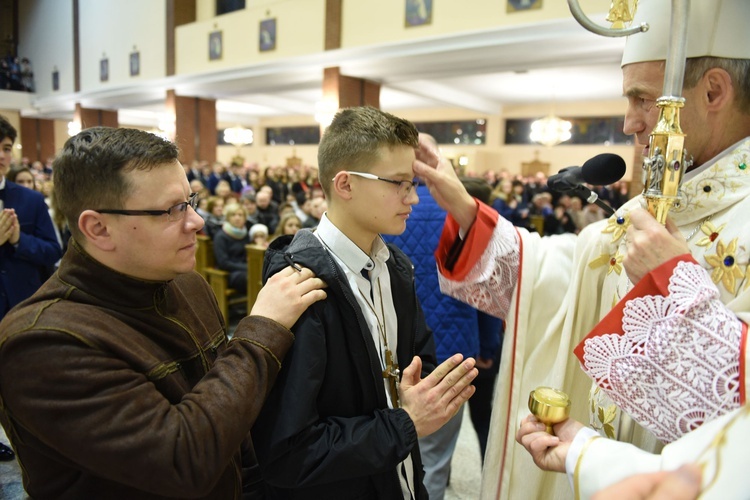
point(326, 430)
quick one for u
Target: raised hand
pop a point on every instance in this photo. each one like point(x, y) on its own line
point(432, 401)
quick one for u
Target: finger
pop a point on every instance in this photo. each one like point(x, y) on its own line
point(412, 372)
point(459, 375)
point(444, 369)
point(641, 218)
point(673, 230)
point(638, 486)
point(455, 404)
point(685, 482)
point(424, 171)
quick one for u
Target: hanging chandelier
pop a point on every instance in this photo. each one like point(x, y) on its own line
point(550, 130)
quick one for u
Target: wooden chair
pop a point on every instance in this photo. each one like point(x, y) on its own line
point(255, 256)
point(204, 255)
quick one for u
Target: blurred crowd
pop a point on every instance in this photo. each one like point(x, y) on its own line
point(16, 74)
point(528, 202)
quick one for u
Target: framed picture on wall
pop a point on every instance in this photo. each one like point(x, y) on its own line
point(418, 12)
point(55, 80)
point(215, 46)
point(104, 70)
point(267, 37)
point(135, 63)
point(519, 5)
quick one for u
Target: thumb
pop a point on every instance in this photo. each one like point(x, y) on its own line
point(423, 170)
point(672, 228)
point(412, 373)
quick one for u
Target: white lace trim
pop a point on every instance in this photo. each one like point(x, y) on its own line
point(677, 364)
point(490, 284)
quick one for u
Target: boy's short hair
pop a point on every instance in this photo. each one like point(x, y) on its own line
point(354, 138)
point(7, 130)
point(90, 170)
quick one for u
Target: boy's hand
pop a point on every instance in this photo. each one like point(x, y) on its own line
point(9, 227)
point(287, 294)
point(432, 401)
point(549, 452)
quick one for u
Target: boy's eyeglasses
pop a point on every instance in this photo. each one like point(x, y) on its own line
point(404, 187)
point(173, 213)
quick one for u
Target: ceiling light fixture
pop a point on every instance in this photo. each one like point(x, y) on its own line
point(550, 130)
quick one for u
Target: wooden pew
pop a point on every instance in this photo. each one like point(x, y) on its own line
point(206, 266)
point(255, 255)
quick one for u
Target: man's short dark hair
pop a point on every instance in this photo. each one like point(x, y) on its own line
point(90, 170)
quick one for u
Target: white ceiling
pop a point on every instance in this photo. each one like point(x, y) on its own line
point(480, 71)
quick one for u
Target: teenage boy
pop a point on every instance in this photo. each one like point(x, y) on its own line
point(339, 423)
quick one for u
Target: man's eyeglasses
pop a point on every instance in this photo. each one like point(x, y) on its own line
point(404, 187)
point(173, 213)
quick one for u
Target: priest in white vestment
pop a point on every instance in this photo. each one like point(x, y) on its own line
point(553, 291)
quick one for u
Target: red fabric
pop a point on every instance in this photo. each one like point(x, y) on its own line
point(743, 368)
point(654, 283)
point(476, 241)
point(508, 419)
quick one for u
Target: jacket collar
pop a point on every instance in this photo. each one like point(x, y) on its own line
point(104, 284)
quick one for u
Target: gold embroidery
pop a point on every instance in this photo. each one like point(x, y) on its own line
point(726, 271)
point(615, 227)
point(711, 232)
point(614, 262)
point(604, 415)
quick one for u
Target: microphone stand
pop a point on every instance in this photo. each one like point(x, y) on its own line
point(592, 197)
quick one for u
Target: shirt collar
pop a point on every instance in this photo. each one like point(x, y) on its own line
point(2, 183)
point(346, 250)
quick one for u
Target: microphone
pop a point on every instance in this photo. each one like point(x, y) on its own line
point(600, 170)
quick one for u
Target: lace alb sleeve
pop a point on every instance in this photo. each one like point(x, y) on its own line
point(676, 363)
point(490, 284)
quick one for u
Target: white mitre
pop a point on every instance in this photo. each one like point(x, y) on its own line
point(717, 28)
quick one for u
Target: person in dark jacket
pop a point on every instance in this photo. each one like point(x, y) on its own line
point(117, 379)
point(339, 423)
point(229, 247)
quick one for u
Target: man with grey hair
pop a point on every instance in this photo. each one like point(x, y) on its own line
point(684, 286)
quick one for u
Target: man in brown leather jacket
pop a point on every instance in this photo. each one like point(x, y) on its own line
point(117, 379)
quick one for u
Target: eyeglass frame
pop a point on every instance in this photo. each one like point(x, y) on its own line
point(179, 208)
point(366, 175)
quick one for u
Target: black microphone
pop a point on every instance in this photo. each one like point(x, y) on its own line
point(600, 170)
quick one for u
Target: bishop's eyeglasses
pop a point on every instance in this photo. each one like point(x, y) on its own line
point(174, 213)
point(404, 187)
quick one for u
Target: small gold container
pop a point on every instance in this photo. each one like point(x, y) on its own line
point(550, 406)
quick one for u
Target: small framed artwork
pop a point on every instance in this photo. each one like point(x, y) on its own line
point(267, 37)
point(135, 63)
point(418, 12)
point(215, 46)
point(55, 80)
point(519, 5)
point(104, 70)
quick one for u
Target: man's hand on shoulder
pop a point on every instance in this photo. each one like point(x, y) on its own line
point(287, 294)
point(432, 401)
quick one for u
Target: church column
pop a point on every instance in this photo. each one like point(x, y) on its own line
point(195, 126)
point(92, 117)
point(37, 139)
point(341, 91)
